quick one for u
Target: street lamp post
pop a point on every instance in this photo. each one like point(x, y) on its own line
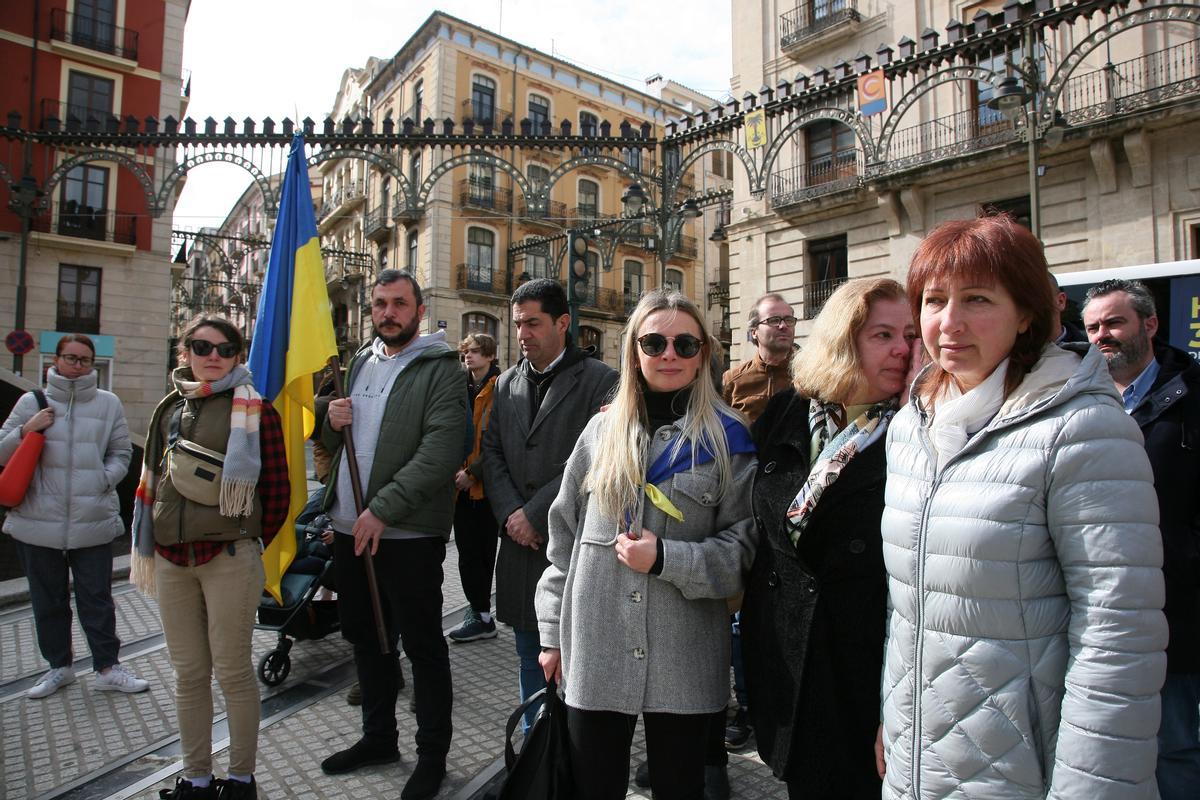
point(668, 219)
point(1012, 99)
point(25, 195)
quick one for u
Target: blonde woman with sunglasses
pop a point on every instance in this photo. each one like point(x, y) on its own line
point(650, 532)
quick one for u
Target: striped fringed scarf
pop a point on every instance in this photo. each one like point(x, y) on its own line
point(239, 476)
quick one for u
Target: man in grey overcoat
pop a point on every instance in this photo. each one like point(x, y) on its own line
point(541, 406)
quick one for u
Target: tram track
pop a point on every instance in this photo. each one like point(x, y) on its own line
point(141, 769)
point(16, 687)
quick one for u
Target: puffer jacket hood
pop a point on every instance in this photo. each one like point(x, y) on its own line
point(72, 499)
point(1025, 639)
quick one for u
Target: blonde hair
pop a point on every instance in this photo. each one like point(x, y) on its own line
point(618, 470)
point(827, 367)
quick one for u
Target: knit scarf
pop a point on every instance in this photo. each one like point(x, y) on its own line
point(837, 449)
point(239, 475)
point(957, 416)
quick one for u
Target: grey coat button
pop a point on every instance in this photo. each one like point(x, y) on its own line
point(664, 434)
point(639, 653)
point(706, 498)
point(635, 596)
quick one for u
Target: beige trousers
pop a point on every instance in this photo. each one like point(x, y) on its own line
point(207, 617)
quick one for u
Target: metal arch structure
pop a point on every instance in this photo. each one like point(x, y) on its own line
point(973, 74)
point(152, 204)
point(1163, 12)
point(374, 159)
point(852, 120)
point(757, 182)
point(270, 202)
point(593, 160)
point(6, 178)
point(474, 157)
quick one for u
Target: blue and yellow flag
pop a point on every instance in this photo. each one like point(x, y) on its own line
point(293, 338)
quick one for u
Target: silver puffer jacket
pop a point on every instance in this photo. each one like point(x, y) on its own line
point(1025, 641)
point(72, 499)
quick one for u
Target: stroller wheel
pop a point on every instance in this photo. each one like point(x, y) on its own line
point(274, 667)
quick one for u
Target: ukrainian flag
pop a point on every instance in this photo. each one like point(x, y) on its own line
point(293, 338)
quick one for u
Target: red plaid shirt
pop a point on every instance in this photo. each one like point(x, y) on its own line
point(274, 492)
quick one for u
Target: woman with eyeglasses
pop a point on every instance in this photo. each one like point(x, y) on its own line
point(64, 527)
point(813, 615)
point(214, 491)
point(649, 534)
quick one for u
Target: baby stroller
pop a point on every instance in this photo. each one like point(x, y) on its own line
point(301, 617)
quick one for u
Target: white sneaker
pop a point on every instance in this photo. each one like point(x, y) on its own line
point(119, 679)
point(51, 682)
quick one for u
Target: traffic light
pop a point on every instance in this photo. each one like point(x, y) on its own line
point(579, 275)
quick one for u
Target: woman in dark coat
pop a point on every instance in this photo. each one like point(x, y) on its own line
point(816, 602)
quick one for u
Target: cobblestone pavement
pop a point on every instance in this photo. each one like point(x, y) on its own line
point(84, 744)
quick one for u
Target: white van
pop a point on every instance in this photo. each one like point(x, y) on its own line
point(1176, 289)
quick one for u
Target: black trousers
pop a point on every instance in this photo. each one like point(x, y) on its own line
point(477, 536)
point(409, 573)
point(600, 742)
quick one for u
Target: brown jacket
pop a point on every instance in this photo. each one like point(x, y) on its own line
point(748, 386)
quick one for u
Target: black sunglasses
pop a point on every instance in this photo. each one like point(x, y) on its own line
point(655, 344)
point(202, 348)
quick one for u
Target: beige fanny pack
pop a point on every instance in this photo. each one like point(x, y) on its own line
point(195, 472)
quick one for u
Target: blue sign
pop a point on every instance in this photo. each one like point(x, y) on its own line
point(1185, 314)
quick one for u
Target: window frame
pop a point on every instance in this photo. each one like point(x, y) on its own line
point(77, 323)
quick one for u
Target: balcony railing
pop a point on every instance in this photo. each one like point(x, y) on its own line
point(722, 331)
point(556, 213)
point(949, 136)
point(482, 112)
point(816, 293)
point(484, 194)
point(84, 31)
point(415, 113)
point(341, 200)
point(481, 278)
point(1131, 85)
point(73, 116)
point(816, 178)
point(376, 224)
point(814, 17)
point(687, 246)
point(88, 223)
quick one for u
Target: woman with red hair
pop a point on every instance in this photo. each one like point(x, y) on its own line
point(1025, 637)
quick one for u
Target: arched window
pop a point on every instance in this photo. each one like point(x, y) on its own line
point(589, 199)
point(537, 261)
point(414, 171)
point(539, 112)
point(673, 280)
point(591, 337)
point(478, 322)
point(412, 252)
point(483, 98)
point(634, 283)
point(481, 248)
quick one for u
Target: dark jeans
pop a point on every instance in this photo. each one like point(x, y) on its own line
point(409, 573)
point(600, 742)
point(1179, 737)
point(91, 567)
point(477, 536)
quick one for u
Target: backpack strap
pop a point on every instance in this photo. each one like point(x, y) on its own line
point(40, 396)
point(173, 425)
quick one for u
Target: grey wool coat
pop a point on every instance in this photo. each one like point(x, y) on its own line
point(1025, 645)
point(72, 499)
point(523, 460)
point(634, 642)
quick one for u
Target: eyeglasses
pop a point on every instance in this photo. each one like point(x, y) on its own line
point(775, 322)
point(202, 348)
point(655, 344)
point(74, 360)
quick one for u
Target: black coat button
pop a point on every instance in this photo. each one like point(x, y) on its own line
point(773, 580)
point(857, 546)
point(531, 487)
point(758, 523)
point(769, 468)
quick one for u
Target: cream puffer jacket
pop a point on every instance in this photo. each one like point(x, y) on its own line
point(72, 499)
point(1025, 641)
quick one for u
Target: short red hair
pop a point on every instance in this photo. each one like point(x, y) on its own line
point(995, 251)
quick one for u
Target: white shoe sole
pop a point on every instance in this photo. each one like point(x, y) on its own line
point(33, 696)
point(104, 687)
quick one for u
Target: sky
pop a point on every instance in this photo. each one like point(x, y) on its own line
point(273, 59)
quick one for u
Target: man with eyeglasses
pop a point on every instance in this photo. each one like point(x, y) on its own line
point(748, 386)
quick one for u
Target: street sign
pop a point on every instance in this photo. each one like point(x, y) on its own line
point(19, 342)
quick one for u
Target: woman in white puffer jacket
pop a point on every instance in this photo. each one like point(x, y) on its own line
point(1025, 639)
point(65, 525)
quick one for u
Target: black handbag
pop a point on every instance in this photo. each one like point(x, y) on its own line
point(542, 770)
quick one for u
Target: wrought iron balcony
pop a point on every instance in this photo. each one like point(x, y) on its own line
point(377, 223)
point(485, 195)
point(816, 293)
point(721, 330)
point(83, 30)
point(58, 116)
point(481, 278)
point(950, 136)
point(89, 223)
point(555, 217)
point(484, 113)
point(816, 178)
point(687, 246)
point(414, 113)
point(814, 18)
point(718, 294)
point(341, 201)
point(1132, 85)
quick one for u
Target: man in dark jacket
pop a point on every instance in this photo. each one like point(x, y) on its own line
point(1160, 386)
point(541, 406)
point(407, 404)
